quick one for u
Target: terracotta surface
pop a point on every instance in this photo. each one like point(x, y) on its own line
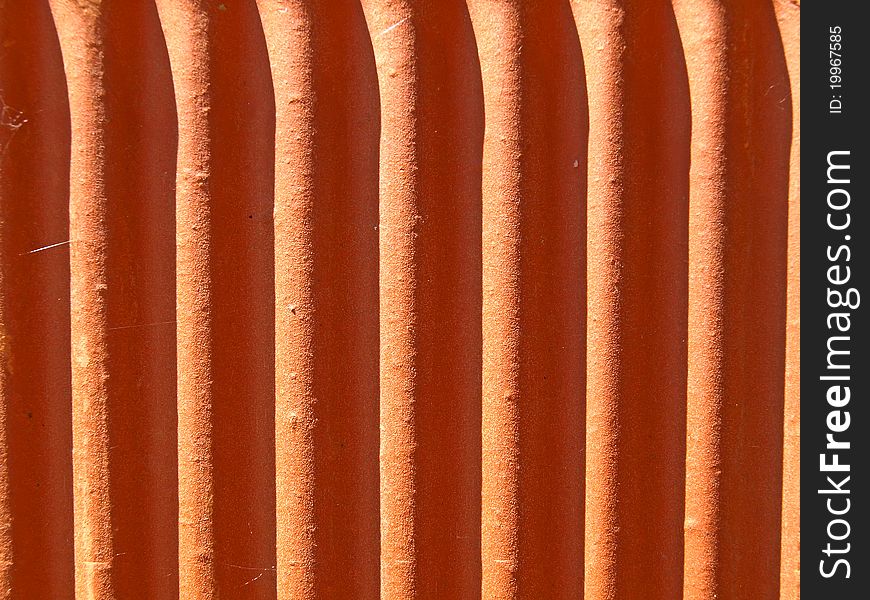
point(36, 485)
point(326, 299)
point(225, 298)
point(738, 228)
point(399, 299)
point(788, 18)
point(534, 159)
point(430, 279)
point(636, 278)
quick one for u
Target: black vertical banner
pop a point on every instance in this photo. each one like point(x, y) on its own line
point(834, 263)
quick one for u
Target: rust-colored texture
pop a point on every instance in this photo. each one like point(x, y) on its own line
point(399, 299)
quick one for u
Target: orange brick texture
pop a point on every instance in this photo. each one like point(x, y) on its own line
point(399, 299)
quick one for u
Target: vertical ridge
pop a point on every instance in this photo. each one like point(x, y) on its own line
point(637, 298)
point(737, 297)
point(533, 299)
point(788, 16)
point(186, 30)
point(121, 202)
point(288, 29)
point(431, 129)
point(225, 298)
point(499, 39)
point(399, 194)
point(82, 39)
point(326, 300)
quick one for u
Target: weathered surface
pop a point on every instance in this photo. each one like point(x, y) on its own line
point(399, 299)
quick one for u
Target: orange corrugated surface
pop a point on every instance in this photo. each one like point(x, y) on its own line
point(399, 299)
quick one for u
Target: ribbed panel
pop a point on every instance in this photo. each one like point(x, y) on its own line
point(399, 299)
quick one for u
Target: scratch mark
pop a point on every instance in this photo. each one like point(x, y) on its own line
point(255, 578)
point(49, 247)
point(141, 325)
point(393, 26)
point(246, 568)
